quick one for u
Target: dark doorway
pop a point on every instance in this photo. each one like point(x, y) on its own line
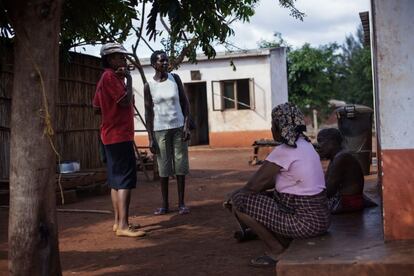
point(197, 95)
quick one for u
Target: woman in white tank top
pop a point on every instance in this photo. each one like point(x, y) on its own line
point(167, 119)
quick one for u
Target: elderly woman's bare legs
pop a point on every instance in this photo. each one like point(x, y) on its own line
point(275, 247)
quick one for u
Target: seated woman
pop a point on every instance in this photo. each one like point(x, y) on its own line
point(344, 177)
point(297, 208)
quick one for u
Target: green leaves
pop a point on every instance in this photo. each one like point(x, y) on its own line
point(312, 73)
point(294, 12)
point(95, 21)
point(356, 74)
point(193, 24)
point(318, 74)
point(207, 21)
point(278, 41)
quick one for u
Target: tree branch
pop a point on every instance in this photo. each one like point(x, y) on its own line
point(184, 52)
point(142, 25)
point(165, 25)
point(137, 63)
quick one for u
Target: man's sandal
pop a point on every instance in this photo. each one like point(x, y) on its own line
point(129, 233)
point(228, 205)
point(263, 261)
point(245, 235)
point(183, 210)
point(131, 226)
point(161, 211)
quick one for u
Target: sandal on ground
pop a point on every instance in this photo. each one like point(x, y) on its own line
point(245, 235)
point(228, 205)
point(263, 261)
point(182, 210)
point(161, 211)
point(131, 226)
point(129, 233)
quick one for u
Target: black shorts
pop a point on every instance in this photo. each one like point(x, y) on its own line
point(121, 165)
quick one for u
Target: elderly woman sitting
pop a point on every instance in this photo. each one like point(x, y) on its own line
point(297, 208)
point(344, 176)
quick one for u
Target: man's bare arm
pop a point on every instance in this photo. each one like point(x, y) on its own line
point(127, 100)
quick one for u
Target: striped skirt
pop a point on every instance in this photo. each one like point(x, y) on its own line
point(287, 215)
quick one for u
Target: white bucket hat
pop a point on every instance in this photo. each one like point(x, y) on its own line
point(111, 48)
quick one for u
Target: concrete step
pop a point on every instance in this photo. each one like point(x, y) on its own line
point(353, 246)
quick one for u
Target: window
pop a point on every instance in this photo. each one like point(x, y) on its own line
point(228, 94)
point(233, 94)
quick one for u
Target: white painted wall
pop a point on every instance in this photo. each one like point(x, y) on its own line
point(278, 76)
point(394, 42)
point(266, 67)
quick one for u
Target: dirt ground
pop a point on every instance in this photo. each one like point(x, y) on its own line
point(200, 243)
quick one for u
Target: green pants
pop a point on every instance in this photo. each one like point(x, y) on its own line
point(172, 155)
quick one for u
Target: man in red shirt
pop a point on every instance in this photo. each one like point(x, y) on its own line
point(114, 101)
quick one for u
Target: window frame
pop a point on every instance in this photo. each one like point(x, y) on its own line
point(220, 98)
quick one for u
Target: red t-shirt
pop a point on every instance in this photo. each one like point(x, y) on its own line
point(117, 121)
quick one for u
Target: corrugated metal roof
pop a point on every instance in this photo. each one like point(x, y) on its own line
point(364, 16)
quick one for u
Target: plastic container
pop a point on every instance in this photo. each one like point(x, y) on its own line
point(355, 125)
point(69, 167)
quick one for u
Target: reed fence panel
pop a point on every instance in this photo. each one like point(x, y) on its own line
point(76, 125)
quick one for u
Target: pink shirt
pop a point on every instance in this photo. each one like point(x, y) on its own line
point(301, 170)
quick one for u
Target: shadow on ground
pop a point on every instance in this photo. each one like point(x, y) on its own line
point(200, 243)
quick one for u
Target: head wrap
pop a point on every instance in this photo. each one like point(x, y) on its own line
point(290, 121)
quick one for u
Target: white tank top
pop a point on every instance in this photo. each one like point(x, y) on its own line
point(167, 108)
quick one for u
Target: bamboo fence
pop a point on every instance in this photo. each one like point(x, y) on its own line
point(76, 125)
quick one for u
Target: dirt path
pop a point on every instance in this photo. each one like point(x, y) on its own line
point(200, 243)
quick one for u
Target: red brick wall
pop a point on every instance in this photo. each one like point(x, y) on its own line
point(398, 193)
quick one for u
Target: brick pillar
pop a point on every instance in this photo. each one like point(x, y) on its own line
point(392, 41)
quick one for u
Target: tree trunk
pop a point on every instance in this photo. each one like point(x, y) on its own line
point(33, 236)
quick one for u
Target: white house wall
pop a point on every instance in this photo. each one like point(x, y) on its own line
point(278, 76)
point(235, 120)
point(395, 44)
point(270, 88)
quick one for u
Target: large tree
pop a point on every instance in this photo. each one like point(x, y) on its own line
point(35, 28)
point(33, 235)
